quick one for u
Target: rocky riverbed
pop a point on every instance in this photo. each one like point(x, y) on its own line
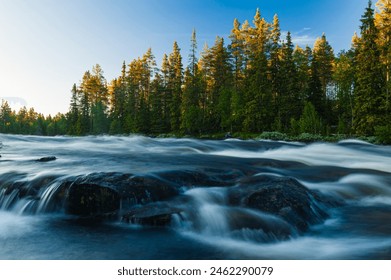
point(227, 199)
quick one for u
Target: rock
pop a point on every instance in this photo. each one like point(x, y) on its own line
point(281, 196)
point(90, 199)
point(153, 214)
point(46, 159)
point(204, 178)
point(99, 193)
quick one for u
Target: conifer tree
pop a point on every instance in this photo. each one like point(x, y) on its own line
point(175, 87)
point(344, 78)
point(290, 104)
point(370, 78)
point(237, 50)
point(221, 73)
point(383, 24)
point(5, 117)
point(276, 70)
point(191, 112)
point(74, 113)
point(258, 116)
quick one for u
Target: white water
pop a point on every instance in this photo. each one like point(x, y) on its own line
point(357, 173)
point(320, 154)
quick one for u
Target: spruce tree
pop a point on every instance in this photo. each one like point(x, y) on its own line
point(383, 23)
point(191, 111)
point(370, 78)
point(175, 87)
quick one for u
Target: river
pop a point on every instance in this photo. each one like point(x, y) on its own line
point(134, 197)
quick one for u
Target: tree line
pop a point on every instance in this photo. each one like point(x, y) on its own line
point(258, 81)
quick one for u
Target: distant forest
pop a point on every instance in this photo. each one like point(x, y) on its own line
point(257, 82)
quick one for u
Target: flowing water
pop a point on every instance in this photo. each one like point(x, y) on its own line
point(34, 222)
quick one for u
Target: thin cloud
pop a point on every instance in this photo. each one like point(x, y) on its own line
point(301, 38)
point(15, 102)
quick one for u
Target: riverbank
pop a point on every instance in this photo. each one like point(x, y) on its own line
point(278, 136)
point(267, 135)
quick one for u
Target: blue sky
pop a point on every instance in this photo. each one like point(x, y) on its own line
point(47, 45)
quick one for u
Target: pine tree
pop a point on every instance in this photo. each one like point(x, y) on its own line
point(5, 117)
point(310, 121)
point(324, 56)
point(290, 103)
point(276, 76)
point(344, 77)
point(190, 111)
point(175, 87)
point(73, 115)
point(237, 50)
point(258, 116)
point(302, 59)
point(383, 24)
point(370, 78)
point(166, 93)
point(157, 121)
point(221, 72)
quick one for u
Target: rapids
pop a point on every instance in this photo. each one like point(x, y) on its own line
point(134, 197)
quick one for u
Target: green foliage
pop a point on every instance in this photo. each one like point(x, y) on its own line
point(383, 134)
point(309, 121)
point(370, 83)
point(255, 86)
point(273, 135)
point(309, 137)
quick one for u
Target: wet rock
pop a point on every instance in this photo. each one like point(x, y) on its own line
point(281, 196)
point(46, 159)
point(153, 214)
point(98, 193)
point(90, 199)
point(204, 178)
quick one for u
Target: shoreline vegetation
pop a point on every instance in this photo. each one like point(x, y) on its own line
point(258, 86)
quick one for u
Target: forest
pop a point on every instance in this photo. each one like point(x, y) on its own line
point(257, 83)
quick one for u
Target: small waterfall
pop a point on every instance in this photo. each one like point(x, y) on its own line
point(7, 200)
point(47, 196)
point(30, 197)
point(209, 214)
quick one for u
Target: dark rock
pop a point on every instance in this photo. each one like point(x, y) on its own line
point(153, 214)
point(46, 159)
point(91, 199)
point(98, 193)
point(192, 178)
point(281, 196)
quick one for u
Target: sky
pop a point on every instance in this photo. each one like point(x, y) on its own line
point(47, 45)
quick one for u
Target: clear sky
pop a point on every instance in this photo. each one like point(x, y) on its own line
point(47, 45)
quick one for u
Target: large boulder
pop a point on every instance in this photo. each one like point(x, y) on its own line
point(99, 193)
point(281, 196)
point(90, 199)
point(200, 178)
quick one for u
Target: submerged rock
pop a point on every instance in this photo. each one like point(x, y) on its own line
point(153, 214)
point(46, 159)
point(281, 196)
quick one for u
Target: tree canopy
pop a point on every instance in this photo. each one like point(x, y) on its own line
point(258, 81)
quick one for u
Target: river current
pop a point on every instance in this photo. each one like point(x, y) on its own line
point(209, 214)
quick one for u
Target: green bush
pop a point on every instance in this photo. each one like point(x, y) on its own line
point(273, 135)
point(383, 134)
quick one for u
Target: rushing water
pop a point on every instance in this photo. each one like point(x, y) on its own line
point(205, 223)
